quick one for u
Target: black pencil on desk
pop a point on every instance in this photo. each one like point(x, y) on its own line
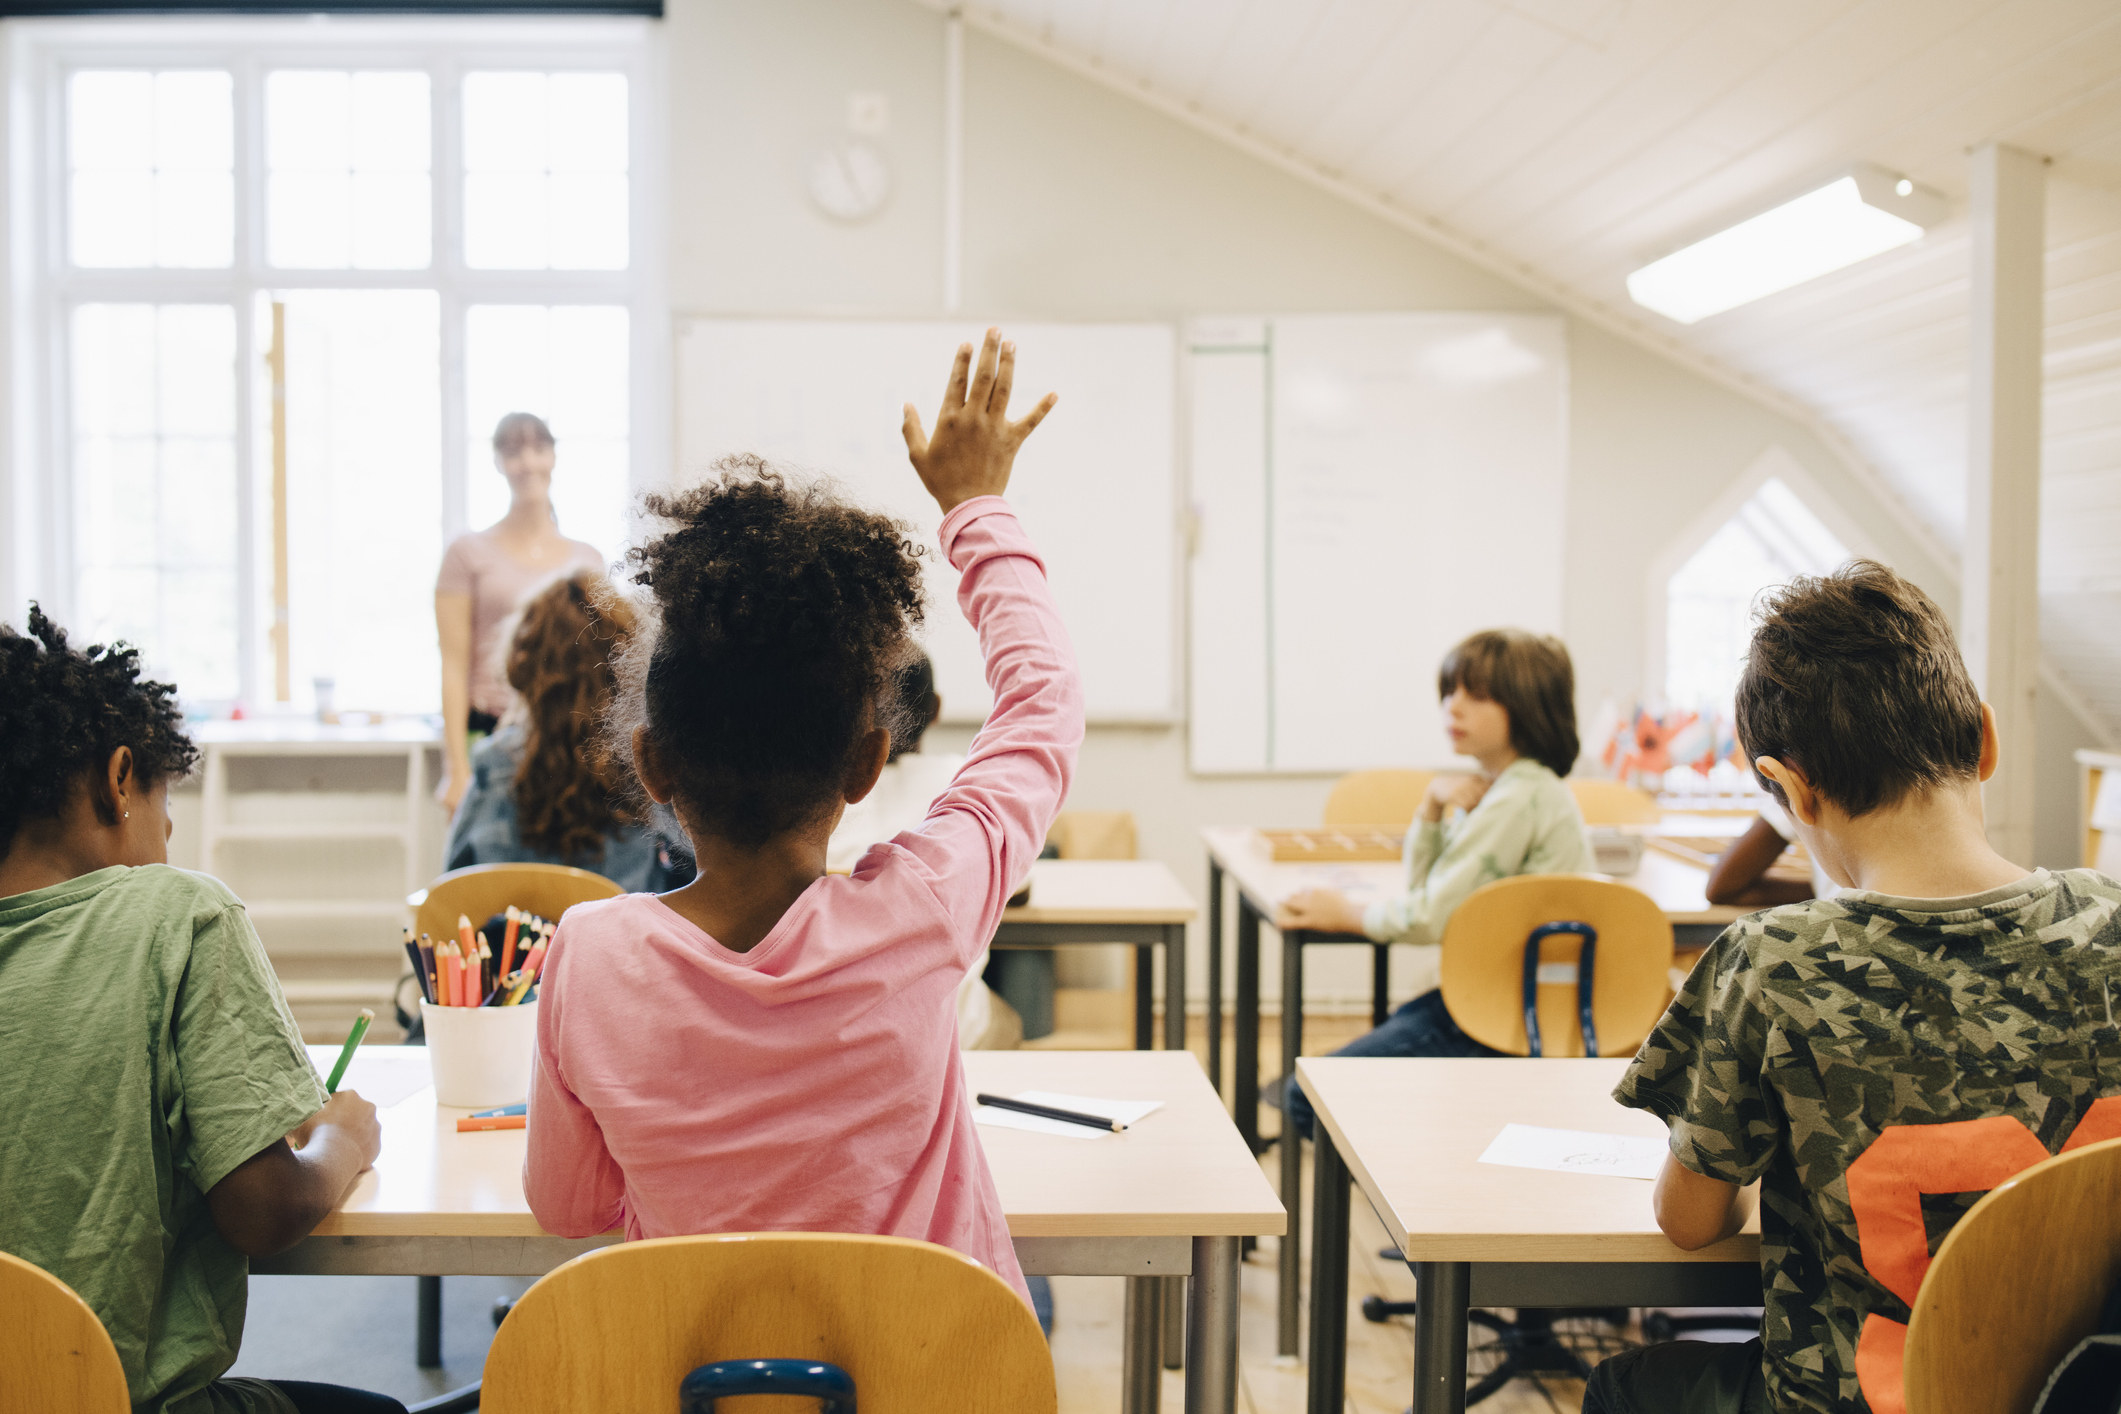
point(1051, 1112)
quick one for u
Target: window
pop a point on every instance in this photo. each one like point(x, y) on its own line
point(1709, 600)
point(393, 238)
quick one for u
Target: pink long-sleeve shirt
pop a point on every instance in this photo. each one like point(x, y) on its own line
point(813, 1082)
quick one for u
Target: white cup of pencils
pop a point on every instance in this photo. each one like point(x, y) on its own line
point(479, 1009)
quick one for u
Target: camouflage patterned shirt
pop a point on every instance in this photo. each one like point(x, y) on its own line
point(1877, 1063)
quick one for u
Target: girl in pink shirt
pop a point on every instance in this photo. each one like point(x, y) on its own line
point(771, 1047)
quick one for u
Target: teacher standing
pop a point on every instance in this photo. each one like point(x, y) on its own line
point(486, 575)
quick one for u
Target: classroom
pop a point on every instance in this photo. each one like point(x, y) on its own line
point(1060, 705)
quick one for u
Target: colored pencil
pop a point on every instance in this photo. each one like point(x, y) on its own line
point(472, 1124)
point(485, 987)
point(412, 955)
point(508, 940)
point(427, 969)
point(1053, 1112)
point(515, 1109)
point(353, 1042)
point(452, 964)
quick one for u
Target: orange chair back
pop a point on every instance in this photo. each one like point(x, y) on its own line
point(54, 1353)
point(919, 1327)
point(1383, 797)
point(480, 891)
point(1483, 963)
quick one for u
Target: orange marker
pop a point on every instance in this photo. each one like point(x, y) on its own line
point(471, 1124)
point(508, 940)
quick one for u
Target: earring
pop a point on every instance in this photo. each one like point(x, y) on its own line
point(128, 814)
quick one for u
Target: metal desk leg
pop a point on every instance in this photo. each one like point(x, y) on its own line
point(1211, 1327)
point(1141, 1382)
point(1174, 1335)
point(427, 1323)
point(1329, 1278)
point(1215, 975)
point(1292, 1145)
point(1175, 987)
point(1244, 1089)
point(1144, 998)
point(1442, 1290)
point(1380, 983)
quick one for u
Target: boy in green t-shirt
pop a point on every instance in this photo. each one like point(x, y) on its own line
point(162, 1120)
point(1879, 1059)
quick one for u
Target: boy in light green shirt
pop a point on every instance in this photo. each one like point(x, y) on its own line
point(1509, 702)
point(162, 1121)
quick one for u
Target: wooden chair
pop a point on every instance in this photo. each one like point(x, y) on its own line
point(1537, 964)
point(1094, 834)
point(479, 891)
point(1387, 797)
point(2017, 1282)
point(54, 1353)
point(1615, 803)
point(915, 1327)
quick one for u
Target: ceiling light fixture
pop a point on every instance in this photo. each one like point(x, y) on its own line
point(1865, 213)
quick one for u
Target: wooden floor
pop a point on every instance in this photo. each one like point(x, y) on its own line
point(1086, 1332)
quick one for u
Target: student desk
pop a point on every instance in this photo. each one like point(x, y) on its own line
point(1241, 854)
point(1411, 1132)
point(1172, 1197)
point(1137, 901)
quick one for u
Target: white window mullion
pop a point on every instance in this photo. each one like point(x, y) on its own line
point(253, 538)
point(448, 274)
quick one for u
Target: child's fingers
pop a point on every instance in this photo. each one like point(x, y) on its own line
point(916, 435)
point(1020, 430)
point(1004, 380)
point(983, 376)
point(954, 391)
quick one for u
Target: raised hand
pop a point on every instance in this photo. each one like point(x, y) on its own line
point(974, 443)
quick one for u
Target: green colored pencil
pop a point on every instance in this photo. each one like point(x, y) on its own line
point(360, 1029)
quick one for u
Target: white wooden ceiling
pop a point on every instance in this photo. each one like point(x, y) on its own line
point(1580, 138)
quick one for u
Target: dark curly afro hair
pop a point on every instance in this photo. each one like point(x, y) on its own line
point(64, 710)
point(783, 615)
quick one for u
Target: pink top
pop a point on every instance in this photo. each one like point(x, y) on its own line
point(813, 1082)
point(498, 583)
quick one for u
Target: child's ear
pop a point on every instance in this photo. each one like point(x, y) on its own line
point(871, 750)
point(1991, 743)
point(649, 767)
point(1804, 801)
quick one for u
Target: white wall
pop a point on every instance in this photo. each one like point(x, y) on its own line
point(1082, 204)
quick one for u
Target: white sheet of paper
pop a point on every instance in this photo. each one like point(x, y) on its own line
point(1528, 1146)
point(1127, 1112)
point(384, 1077)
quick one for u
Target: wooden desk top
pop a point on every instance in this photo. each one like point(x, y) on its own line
point(1183, 1171)
point(1412, 1133)
point(1104, 891)
point(1677, 886)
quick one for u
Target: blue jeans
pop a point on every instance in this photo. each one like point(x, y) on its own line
point(1420, 1028)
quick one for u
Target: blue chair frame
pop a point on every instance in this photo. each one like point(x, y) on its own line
point(1586, 970)
point(802, 1379)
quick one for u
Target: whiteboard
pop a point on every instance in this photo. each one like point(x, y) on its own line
point(1094, 486)
point(1369, 490)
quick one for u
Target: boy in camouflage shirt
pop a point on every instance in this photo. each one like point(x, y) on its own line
point(1878, 1060)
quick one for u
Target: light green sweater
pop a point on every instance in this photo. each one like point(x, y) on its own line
point(1527, 823)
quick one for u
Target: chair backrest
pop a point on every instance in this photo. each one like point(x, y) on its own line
point(482, 890)
point(1485, 963)
point(1387, 797)
point(919, 1327)
point(1614, 803)
point(1094, 834)
point(2017, 1282)
point(54, 1353)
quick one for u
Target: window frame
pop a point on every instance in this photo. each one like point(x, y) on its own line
point(1776, 464)
point(47, 288)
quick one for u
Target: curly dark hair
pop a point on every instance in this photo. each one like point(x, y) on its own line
point(64, 710)
point(782, 615)
point(569, 794)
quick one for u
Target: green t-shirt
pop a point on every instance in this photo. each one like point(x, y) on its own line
point(145, 1053)
point(1877, 1063)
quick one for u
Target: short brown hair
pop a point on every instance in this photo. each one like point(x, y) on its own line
point(570, 795)
point(520, 429)
point(1531, 676)
point(1855, 679)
